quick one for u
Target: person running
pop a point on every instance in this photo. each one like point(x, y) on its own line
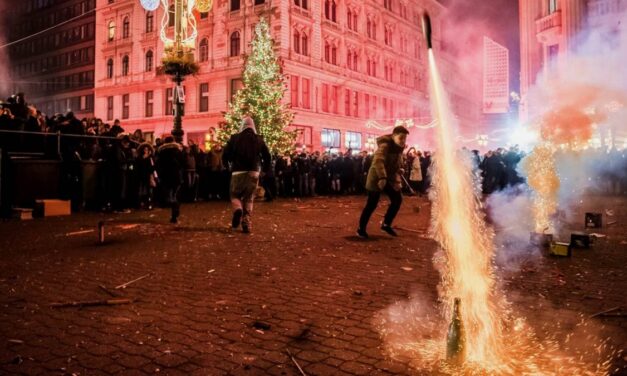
point(247, 153)
point(384, 176)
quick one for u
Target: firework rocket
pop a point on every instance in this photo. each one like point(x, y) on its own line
point(426, 28)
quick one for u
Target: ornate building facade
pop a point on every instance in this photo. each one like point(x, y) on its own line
point(550, 31)
point(352, 67)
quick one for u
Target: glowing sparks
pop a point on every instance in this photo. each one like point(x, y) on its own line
point(498, 342)
point(542, 177)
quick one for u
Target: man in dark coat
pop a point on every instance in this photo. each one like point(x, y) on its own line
point(384, 176)
point(247, 153)
point(170, 165)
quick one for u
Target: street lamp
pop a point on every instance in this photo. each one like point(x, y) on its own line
point(178, 56)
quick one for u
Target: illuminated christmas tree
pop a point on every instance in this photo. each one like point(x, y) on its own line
point(261, 97)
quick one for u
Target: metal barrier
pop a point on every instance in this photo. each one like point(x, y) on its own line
point(25, 143)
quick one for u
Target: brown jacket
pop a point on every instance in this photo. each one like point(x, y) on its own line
point(386, 164)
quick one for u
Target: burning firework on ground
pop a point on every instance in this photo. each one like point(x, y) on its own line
point(494, 340)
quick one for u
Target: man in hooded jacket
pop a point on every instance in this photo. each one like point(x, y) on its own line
point(247, 154)
point(384, 176)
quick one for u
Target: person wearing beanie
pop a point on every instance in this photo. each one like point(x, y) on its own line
point(384, 176)
point(248, 155)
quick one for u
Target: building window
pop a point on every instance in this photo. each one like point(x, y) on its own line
point(150, 17)
point(388, 36)
point(294, 87)
point(387, 4)
point(169, 109)
point(303, 135)
point(126, 28)
point(149, 103)
point(203, 101)
point(149, 61)
point(125, 65)
point(203, 50)
point(306, 97)
point(351, 19)
point(171, 16)
point(371, 29)
point(347, 102)
point(235, 44)
point(552, 6)
point(331, 138)
point(330, 53)
point(109, 108)
point(259, 2)
point(236, 85)
point(301, 3)
point(304, 45)
point(352, 140)
point(330, 10)
point(110, 68)
point(330, 98)
point(125, 106)
point(352, 60)
point(111, 31)
point(235, 5)
point(296, 41)
point(204, 15)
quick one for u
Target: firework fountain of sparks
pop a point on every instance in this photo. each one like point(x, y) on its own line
point(497, 341)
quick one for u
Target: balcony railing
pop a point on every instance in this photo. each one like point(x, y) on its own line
point(599, 8)
point(551, 21)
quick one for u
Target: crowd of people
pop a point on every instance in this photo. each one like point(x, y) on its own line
point(130, 178)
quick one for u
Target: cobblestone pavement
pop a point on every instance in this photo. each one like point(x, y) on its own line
point(219, 303)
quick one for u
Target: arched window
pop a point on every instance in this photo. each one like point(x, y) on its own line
point(125, 65)
point(203, 50)
point(304, 46)
point(296, 41)
point(150, 22)
point(235, 5)
point(149, 61)
point(111, 31)
point(110, 68)
point(126, 27)
point(235, 44)
point(171, 16)
point(327, 52)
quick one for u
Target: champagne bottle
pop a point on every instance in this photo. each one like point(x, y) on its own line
point(456, 337)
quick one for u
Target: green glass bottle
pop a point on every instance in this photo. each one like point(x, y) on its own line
point(456, 337)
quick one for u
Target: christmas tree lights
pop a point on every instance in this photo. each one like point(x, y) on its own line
point(261, 97)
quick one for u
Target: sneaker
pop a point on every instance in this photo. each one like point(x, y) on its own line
point(362, 233)
point(245, 228)
point(237, 218)
point(388, 229)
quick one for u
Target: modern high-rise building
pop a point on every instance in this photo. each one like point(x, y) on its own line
point(51, 53)
point(352, 67)
point(550, 31)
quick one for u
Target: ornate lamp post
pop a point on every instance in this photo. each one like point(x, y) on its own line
point(178, 56)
